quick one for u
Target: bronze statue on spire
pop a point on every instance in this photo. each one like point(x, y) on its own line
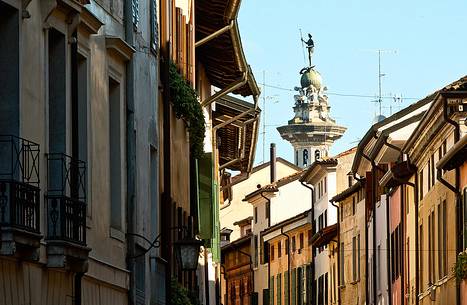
point(310, 45)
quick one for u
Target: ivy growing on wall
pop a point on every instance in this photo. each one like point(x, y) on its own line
point(186, 106)
point(460, 268)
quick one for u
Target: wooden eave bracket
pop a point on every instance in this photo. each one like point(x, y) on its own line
point(119, 47)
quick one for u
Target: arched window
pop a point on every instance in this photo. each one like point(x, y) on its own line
point(317, 154)
point(305, 157)
point(296, 157)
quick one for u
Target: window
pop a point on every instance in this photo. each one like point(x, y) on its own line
point(354, 258)
point(421, 252)
point(135, 12)
point(271, 253)
point(353, 205)
point(301, 241)
point(255, 258)
point(445, 237)
point(341, 267)
point(420, 184)
point(256, 214)
point(115, 156)
point(279, 249)
point(271, 290)
point(279, 289)
point(310, 236)
point(286, 288)
point(10, 67)
point(326, 287)
point(305, 157)
point(154, 26)
point(287, 246)
point(267, 210)
point(350, 180)
point(294, 287)
point(140, 274)
point(325, 184)
point(358, 257)
point(293, 244)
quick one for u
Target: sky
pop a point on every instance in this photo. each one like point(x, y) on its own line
point(424, 43)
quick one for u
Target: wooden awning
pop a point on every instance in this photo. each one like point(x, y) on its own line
point(324, 236)
point(223, 55)
point(237, 140)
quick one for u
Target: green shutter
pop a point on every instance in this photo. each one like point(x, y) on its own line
point(205, 207)
point(271, 290)
point(215, 246)
point(279, 289)
point(294, 284)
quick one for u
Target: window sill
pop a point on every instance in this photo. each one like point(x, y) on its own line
point(117, 234)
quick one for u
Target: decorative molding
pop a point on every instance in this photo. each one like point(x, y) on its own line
point(119, 47)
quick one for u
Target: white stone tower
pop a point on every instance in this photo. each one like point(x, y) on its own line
point(312, 131)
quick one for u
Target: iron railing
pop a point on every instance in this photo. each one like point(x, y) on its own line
point(66, 198)
point(19, 183)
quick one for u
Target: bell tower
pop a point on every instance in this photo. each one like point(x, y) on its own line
point(312, 131)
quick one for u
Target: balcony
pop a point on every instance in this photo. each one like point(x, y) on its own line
point(66, 212)
point(19, 197)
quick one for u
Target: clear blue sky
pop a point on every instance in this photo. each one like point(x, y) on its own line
point(429, 38)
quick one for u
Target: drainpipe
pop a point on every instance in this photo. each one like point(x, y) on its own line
point(366, 245)
point(374, 197)
point(454, 189)
point(313, 231)
point(78, 279)
point(288, 265)
point(131, 156)
point(388, 255)
point(338, 245)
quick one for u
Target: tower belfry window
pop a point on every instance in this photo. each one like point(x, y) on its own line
point(305, 157)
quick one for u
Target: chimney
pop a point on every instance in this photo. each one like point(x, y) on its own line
point(272, 163)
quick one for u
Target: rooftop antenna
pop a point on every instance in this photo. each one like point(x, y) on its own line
point(263, 113)
point(380, 76)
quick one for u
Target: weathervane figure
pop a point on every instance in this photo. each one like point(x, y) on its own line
point(310, 45)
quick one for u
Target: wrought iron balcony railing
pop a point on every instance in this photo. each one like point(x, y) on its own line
point(66, 199)
point(19, 184)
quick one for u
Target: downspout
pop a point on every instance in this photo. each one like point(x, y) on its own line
point(251, 267)
point(288, 265)
point(338, 245)
point(131, 158)
point(388, 255)
point(454, 189)
point(374, 197)
point(313, 229)
point(366, 246)
point(78, 279)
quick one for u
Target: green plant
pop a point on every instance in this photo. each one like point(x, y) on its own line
point(179, 294)
point(460, 268)
point(186, 106)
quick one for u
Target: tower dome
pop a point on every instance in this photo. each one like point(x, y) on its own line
point(311, 77)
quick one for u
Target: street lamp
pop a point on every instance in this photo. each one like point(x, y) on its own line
point(186, 250)
point(187, 253)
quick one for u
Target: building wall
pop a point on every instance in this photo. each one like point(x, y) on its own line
point(352, 291)
point(239, 209)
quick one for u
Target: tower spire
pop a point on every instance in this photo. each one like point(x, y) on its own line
point(312, 131)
